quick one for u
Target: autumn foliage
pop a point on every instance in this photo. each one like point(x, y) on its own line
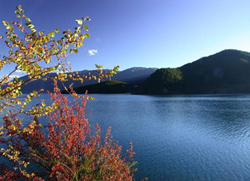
point(68, 151)
point(67, 148)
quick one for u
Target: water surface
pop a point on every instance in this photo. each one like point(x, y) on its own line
point(188, 137)
point(185, 137)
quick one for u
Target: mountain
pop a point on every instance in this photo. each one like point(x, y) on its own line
point(225, 72)
point(135, 76)
point(106, 87)
point(48, 85)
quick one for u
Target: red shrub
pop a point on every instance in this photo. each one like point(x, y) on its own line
point(69, 151)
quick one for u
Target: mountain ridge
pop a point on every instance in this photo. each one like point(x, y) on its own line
point(227, 71)
point(134, 75)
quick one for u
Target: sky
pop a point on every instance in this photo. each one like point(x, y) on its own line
point(141, 33)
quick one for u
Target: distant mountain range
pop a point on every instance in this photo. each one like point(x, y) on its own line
point(134, 76)
point(225, 72)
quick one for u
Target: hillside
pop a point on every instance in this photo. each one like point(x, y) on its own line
point(225, 72)
point(107, 87)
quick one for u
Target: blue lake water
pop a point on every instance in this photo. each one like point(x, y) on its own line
point(186, 137)
point(202, 137)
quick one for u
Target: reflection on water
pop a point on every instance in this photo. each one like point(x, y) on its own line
point(184, 137)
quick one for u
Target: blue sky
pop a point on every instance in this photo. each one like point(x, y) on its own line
point(145, 33)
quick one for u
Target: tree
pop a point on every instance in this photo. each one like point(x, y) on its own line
point(69, 151)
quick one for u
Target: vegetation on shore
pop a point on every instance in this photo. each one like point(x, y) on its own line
point(106, 87)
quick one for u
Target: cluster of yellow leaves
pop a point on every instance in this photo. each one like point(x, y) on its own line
point(28, 52)
point(14, 156)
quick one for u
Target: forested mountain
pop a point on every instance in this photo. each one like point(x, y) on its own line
point(225, 72)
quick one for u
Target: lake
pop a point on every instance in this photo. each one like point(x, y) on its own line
point(187, 137)
point(184, 137)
